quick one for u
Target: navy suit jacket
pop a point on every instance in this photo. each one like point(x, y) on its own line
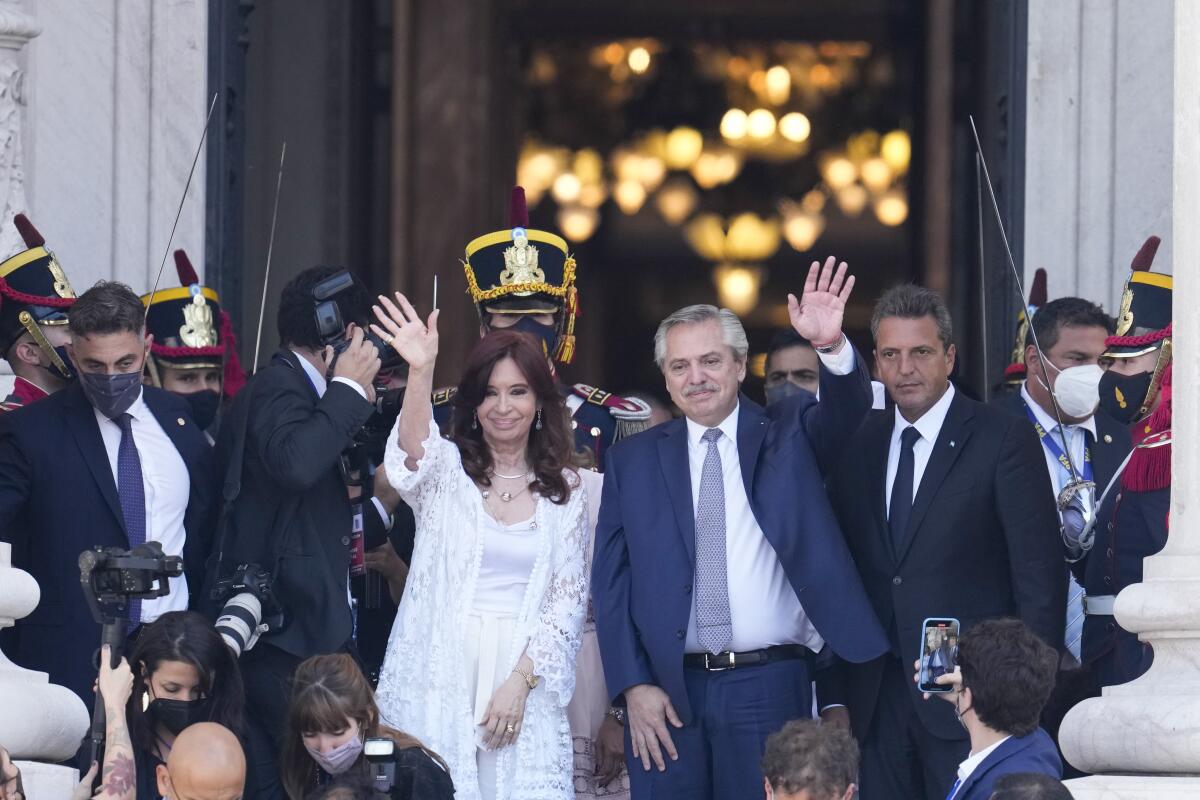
point(58, 498)
point(646, 542)
point(1032, 753)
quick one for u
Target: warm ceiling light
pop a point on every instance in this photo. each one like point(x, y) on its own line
point(839, 172)
point(578, 223)
point(538, 170)
point(714, 168)
point(876, 174)
point(851, 199)
point(566, 188)
point(891, 208)
point(778, 85)
point(706, 235)
point(592, 195)
point(629, 195)
point(760, 124)
point(802, 230)
point(683, 147)
point(639, 60)
point(813, 201)
point(896, 149)
point(650, 172)
point(613, 53)
point(676, 200)
point(794, 127)
point(751, 238)
point(734, 124)
point(738, 286)
point(588, 166)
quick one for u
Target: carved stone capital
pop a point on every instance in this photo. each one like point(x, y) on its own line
point(16, 26)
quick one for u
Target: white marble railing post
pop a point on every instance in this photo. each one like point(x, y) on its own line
point(41, 722)
point(1144, 736)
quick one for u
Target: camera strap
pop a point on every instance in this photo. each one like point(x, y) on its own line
point(231, 486)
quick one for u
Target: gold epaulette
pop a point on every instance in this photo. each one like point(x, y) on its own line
point(444, 396)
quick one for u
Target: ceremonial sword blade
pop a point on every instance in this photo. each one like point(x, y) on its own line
point(262, 306)
point(178, 211)
point(1012, 265)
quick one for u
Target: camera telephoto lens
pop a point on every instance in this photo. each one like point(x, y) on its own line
point(238, 623)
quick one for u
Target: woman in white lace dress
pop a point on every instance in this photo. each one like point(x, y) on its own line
point(481, 661)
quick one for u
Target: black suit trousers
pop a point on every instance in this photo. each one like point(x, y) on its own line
point(900, 757)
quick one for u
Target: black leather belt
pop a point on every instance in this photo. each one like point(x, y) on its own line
point(751, 658)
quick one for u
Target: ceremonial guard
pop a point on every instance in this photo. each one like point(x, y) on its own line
point(524, 279)
point(194, 354)
point(1135, 389)
point(34, 298)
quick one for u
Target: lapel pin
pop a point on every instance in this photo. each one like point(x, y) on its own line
point(952, 443)
point(1108, 438)
point(180, 421)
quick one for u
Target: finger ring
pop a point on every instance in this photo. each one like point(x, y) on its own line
point(388, 341)
point(509, 728)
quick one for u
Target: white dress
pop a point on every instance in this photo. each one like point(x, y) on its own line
point(452, 629)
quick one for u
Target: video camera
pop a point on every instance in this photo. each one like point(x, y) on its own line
point(249, 607)
point(111, 578)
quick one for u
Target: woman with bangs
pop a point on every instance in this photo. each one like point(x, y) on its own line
point(331, 715)
point(481, 661)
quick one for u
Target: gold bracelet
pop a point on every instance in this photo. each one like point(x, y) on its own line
point(531, 680)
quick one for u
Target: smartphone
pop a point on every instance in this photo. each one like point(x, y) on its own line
point(939, 652)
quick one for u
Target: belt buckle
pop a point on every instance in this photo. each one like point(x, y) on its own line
point(732, 662)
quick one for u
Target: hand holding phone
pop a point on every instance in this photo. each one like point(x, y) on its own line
point(939, 654)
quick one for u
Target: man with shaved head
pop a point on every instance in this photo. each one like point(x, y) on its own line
point(206, 763)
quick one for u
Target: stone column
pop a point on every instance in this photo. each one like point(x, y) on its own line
point(1145, 735)
point(40, 720)
point(16, 28)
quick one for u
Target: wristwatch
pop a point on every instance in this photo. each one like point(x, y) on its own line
point(829, 348)
point(530, 679)
point(617, 713)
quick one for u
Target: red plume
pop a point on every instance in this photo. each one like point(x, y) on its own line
point(1037, 292)
point(28, 232)
point(518, 212)
point(183, 265)
point(1145, 256)
point(235, 376)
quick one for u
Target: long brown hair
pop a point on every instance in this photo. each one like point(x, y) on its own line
point(549, 449)
point(326, 691)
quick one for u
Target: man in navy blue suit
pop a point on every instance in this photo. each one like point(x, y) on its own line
point(1005, 676)
point(719, 569)
point(106, 462)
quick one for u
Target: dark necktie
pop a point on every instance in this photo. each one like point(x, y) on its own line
point(132, 495)
point(900, 508)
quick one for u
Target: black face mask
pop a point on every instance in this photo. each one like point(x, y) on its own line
point(546, 334)
point(204, 405)
point(1122, 396)
point(175, 715)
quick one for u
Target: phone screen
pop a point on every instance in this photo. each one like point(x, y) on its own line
point(939, 652)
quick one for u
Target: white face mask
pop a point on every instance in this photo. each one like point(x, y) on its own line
point(1077, 390)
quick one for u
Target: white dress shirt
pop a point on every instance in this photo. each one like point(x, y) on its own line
point(167, 487)
point(972, 763)
point(763, 606)
point(929, 426)
point(1076, 441)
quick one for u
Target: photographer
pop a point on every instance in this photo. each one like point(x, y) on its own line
point(293, 515)
point(332, 728)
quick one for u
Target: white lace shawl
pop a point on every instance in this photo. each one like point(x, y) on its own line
point(424, 687)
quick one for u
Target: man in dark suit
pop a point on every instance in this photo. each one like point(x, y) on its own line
point(719, 569)
point(1006, 674)
point(948, 513)
point(1059, 397)
point(105, 462)
point(294, 515)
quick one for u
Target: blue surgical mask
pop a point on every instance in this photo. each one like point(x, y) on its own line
point(782, 391)
point(111, 395)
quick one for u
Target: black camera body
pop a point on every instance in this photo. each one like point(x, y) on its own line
point(331, 327)
point(249, 607)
